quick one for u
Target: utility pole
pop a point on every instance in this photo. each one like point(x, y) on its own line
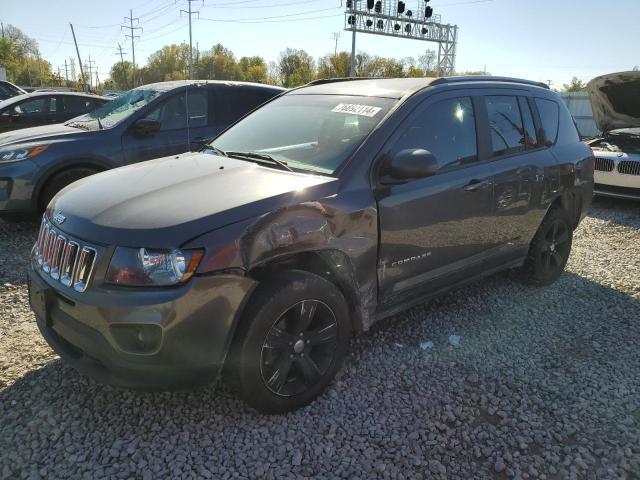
point(72, 66)
point(66, 71)
point(2, 25)
point(190, 13)
point(336, 36)
point(352, 72)
point(97, 79)
point(132, 30)
point(121, 53)
point(90, 68)
point(78, 52)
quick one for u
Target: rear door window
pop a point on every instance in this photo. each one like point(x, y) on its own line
point(549, 118)
point(447, 129)
point(531, 138)
point(78, 105)
point(233, 103)
point(505, 123)
point(197, 107)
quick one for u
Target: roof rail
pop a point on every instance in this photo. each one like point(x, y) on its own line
point(487, 78)
point(322, 81)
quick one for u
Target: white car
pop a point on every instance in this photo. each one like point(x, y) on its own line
point(615, 100)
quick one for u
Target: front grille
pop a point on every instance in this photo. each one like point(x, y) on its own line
point(604, 164)
point(64, 259)
point(629, 167)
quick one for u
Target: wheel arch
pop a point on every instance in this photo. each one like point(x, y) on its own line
point(332, 265)
point(96, 164)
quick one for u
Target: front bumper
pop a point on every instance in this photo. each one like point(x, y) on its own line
point(17, 186)
point(96, 332)
point(616, 184)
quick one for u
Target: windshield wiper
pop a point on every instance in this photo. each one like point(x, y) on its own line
point(99, 123)
point(260, 156)
point(215, 150)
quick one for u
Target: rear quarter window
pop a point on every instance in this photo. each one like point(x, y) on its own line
point(549, 112)
point(230, 104)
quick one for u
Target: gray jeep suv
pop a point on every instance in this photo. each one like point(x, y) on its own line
point(325, 210)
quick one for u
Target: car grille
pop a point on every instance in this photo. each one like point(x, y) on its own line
point(604, 164)
point(627, 167)
point(64, 259)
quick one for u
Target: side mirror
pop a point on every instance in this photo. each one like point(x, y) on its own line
point(410, 164)
point(145, 127)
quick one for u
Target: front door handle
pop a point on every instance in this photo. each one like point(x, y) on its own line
point(476, 184)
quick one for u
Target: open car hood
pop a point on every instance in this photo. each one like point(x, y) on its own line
point(615, 100)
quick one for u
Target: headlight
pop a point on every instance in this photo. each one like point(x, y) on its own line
point(21, 153)
point(145, 267)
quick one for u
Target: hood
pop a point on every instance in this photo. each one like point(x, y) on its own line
point(39, 134)
point(165, 202)
point(615, 100)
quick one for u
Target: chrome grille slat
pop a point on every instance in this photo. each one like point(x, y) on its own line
point(68, 263)
point(63, 259)
point(629, 167)
point(604, 164)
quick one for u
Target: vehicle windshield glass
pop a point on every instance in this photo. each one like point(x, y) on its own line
point(307, 132)
point(115, 111)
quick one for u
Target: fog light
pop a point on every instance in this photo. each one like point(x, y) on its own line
point(137, 338)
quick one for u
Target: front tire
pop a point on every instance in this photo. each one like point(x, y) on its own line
point(290, 343)
point(549, 250)
point(58, 182)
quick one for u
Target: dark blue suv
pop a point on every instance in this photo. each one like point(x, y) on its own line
point(150, 121)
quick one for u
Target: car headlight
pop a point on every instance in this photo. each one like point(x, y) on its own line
point(15, 154)
point(152, 268)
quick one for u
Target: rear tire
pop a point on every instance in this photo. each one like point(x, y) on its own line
point(549, 250)
point(290, 343)
point(58, 182)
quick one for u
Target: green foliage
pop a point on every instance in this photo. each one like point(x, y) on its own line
point(576, 85)
point(295, 68)
point(120, 76)
point(20, 56)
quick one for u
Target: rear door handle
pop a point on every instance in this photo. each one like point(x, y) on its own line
point(476, 184)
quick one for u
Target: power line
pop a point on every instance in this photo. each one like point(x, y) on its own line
point(270, 21)
point(190, 13)
point(133, 36)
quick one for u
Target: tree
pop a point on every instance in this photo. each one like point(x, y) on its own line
point(219, 63)
point(331, 66)
point(427, 62)
point(121, 75)
point(253, 69)
point(20, 56)
point(295, 67)
point(576, 85)
point(169, 63)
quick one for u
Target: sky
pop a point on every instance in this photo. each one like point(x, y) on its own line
point(545, 40)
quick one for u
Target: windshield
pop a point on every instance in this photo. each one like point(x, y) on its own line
point(115, 111)
point(307, 132)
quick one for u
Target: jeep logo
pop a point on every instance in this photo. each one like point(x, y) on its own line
point(59, 218)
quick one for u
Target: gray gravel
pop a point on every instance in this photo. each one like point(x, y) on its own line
point(544, 383)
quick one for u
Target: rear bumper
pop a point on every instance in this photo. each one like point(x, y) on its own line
point(193, 327)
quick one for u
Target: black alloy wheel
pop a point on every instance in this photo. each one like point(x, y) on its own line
point(299, 348)
point(550, 249)
point(290, 343)
point(554, 250)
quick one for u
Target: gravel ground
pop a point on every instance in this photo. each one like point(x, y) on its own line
point(544, 383)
